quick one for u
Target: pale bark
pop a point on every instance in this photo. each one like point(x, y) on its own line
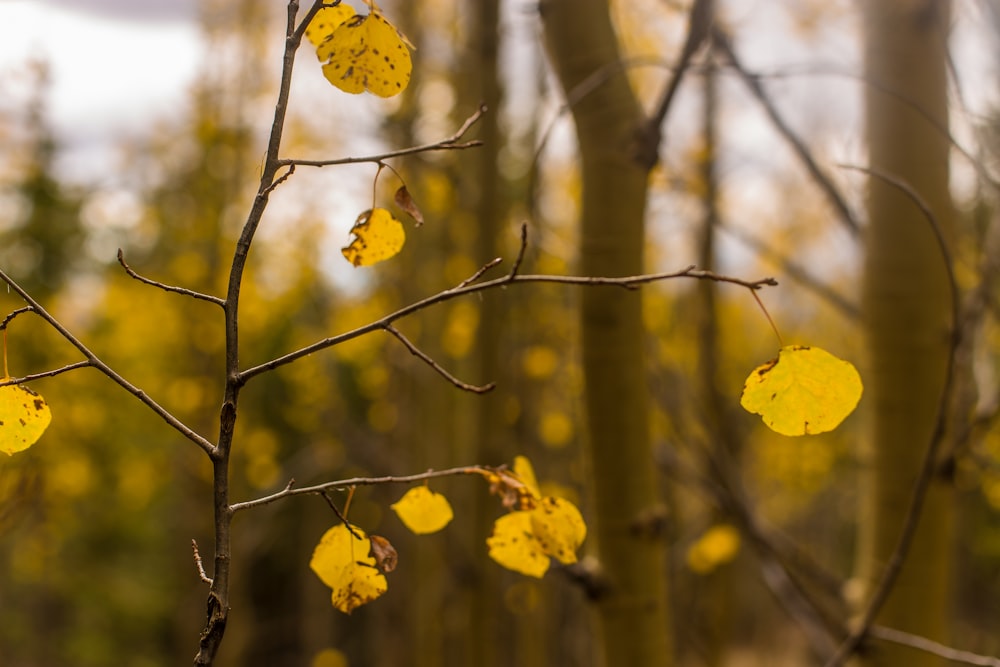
point(634, 619)
point(906, 314)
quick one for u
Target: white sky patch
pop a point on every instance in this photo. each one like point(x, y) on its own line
point(109, 77)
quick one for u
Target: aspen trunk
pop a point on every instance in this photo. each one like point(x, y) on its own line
point(906, 307)
point(634, 621)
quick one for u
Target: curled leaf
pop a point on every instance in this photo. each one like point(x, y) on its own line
point(385, 555)
point(24, 416)
point(806, 390)
point(405, 201)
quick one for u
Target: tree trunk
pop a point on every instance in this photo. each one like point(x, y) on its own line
point(633, 613)
point(906, 313)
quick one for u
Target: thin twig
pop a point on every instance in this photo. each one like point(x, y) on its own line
point(627, 282)
point(480, 271)
point(929, 646)
point(340, 515)
point(46, 374)
point(414, 350)
point(520, 251)
point(825, 183)
point(96, 362)
point(449, 143)
point(929, 465)
point(197, 561)
point(167, 288)
point(358, 481)
point(281, 179)
point(650, 134)
point(796, 272)
point(10, 318)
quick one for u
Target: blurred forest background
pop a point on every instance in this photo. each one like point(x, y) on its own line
point(96, 521)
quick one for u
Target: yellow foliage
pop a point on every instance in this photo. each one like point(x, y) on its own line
point(806, 390)
point(329, 657)
point(377, 236)
point(361, 52)
point(717, 546)
point(342, 561)
point(423, 511)
point(539, 362)
point(525, 472)
point(513, 544)
point(460, 329)
point(545, 527)
point(559, 528)
point(555, 429)
point(325, 22)
point(24, 416)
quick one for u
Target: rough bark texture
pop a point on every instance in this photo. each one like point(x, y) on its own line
point(634, 618)
point(906, 313)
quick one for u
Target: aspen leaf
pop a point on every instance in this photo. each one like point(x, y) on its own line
point(366, 52)
point(423, 511)
point(342, 561)
point(377, 236)
point(24, 416)
point(540, 528)
point(405, 201)
point(806, 390)
point(513, 545)
point(325, 22)
point(559, 528)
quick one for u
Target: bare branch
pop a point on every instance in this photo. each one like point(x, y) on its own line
point(326, 487)
point(46, 374)
point(796, 272)
point(95, 361)
point(520, 252)
point(436, 366)
point(721, 41)
point(448, 144)
point(627, 282)
point(479, 272)
point(650, 135)
point(167, 288)
point(10, 318)
point(933, 647)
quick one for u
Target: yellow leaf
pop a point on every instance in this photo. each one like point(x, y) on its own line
point(341, 560)
point(514, 545)
point(325, 22)
point(559, 528)
point(24, 416)
point(805, 390)
point(423, 511)
point(717, 546)
point(378, 236)
point(526, 473)
point(367, 52)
